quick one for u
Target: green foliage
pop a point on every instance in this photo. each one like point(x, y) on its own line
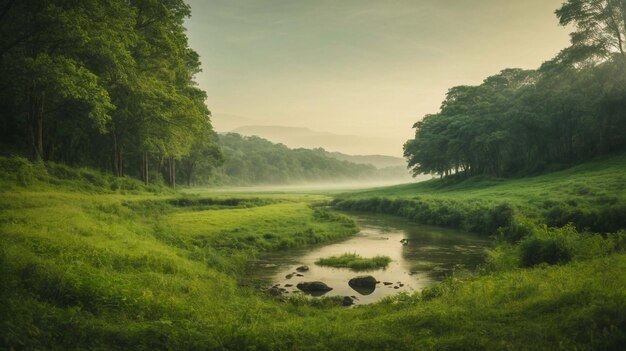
point(19, 173)
point(355, 262)
point(522, 122)
point(81, 90)
point(253, 160)
point(102, 270)
point(476, 216)
point(600, 29)
point(553, 247)
point(591, 196)
point(561, 245)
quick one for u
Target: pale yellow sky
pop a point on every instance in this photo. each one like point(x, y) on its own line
point(367, 68)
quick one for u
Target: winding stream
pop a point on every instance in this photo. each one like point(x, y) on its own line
point(429, 256)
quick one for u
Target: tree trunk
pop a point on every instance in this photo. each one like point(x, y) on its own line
point(171, 167)
point(118, 162)
point(115, 163)
point(145, 167)
point(121, 161)
point(623, 10)
point(189, 170)
point(35, 117)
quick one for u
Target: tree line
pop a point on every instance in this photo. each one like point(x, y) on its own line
point(103, 83)
point(253, 160)
point(520, 122)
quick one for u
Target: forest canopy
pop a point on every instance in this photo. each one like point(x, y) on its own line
point(518, 122)
point(102, 83)
point(250, 160)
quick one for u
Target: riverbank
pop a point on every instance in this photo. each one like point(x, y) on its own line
point(123, 267)
point(419, 257)
point(592, 196)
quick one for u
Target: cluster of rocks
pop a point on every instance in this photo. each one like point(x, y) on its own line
point(397, 285)
point(296, 273)
point(364, 285)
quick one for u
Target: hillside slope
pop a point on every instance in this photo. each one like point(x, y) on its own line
point(592, 195)
point(88, 264)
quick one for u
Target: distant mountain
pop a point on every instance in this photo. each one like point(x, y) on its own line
point(223, 122)
point(378, 161)
point(306, 138)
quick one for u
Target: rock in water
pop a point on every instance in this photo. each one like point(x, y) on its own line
point(365, 281)
point(314, 288)
point(364, 285)
point(302, 268)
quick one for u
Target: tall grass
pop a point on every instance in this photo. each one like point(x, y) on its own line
point(355, 262)
point(83, 266)
point(590, 196)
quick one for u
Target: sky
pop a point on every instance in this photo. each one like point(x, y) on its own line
point(370, 68)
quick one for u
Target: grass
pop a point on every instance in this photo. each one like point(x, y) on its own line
point(95, 267)
point(591, 196)
point(355, 262)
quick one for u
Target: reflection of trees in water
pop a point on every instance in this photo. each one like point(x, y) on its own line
point(442, 251)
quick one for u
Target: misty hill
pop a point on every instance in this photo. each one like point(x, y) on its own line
point(378, 161)
point(225, 122)
point(296, 137)
point(251, 160)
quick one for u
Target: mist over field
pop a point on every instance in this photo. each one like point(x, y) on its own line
point(312, 175)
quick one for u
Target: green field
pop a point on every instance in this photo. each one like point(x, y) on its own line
point(592, 196)
point(86, 263)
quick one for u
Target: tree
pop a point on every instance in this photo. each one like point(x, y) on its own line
point(44, 63)
point(88, 81)
point(204, 156)
point(600, 29)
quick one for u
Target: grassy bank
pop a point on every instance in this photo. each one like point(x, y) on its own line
point(591, 196)
point(100, 267)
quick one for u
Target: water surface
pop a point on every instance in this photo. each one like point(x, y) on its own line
point(430, 255)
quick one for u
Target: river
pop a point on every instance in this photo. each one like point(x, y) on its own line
point(428, 255)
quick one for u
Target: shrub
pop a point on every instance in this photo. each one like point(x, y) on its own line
point(551, 246)
point(21, 170)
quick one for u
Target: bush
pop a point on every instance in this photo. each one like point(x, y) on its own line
point(477, 216)
point(18, 171)
point(21, 170)
point(551, 246)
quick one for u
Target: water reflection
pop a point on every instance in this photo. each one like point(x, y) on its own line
point(421, 255)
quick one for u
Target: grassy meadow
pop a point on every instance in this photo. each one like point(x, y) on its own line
point(91, 262)
point(592, 196)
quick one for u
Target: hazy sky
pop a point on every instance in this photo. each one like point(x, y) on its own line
point(361, 67)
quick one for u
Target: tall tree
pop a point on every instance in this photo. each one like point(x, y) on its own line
point(43, 46)
point(600, 29)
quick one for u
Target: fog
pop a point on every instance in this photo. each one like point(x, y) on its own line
point(362, 68)
point(313, 187)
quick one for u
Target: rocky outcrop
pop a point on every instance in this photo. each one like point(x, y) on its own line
point(364, 285)
point(313, 287)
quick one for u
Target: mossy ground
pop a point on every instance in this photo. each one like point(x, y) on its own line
point(127, 267)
